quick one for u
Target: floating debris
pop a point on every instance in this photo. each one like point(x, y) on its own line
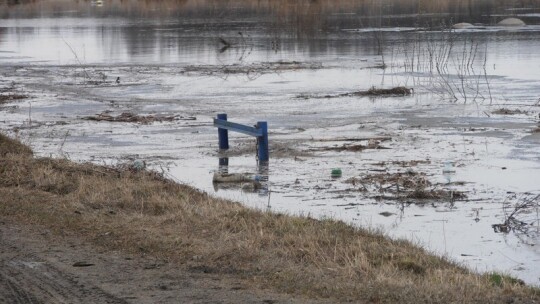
point(373, 92)
point(521, 217)
point(378, 138)
point(448, 167)
point(142, 119)
point(403, 185)
point(11, 97)
point(253, 68)
point(138, 165)
point(505, 111)
point(336, 173)
point(372, 144)
point(403, 163)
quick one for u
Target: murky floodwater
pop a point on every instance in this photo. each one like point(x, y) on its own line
point(473, 114)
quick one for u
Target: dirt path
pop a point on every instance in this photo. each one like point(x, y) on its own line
point(36, 267)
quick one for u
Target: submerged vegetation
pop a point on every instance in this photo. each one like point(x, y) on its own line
point(142, 212)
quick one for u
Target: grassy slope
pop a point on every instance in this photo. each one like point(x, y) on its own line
point(141, 212)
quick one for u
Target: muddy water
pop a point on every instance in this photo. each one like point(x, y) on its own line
point(450, 131)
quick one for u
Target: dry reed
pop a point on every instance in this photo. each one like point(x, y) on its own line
point(141, 212)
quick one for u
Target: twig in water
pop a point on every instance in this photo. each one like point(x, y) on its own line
point(76, 58)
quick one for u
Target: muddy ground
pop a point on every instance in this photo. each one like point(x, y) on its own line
point(39, 267)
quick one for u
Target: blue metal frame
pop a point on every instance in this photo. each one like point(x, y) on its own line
point(260, 131)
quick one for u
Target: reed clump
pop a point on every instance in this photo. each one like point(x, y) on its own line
point(141, 212)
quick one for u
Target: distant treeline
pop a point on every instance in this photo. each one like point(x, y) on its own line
point(314, 14)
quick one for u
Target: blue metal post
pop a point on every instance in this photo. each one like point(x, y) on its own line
point(223, 134)
point(263, 141)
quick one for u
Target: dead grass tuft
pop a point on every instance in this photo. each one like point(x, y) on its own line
point(12, 146)
point(140, 212)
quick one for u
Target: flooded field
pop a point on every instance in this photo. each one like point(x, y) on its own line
point(451, 163)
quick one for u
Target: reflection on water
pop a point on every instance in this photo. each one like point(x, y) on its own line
point(297, 17)
point(192, 32)
point(104, 41)
point(256, 181)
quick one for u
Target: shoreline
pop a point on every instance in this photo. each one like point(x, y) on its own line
point(140, 212)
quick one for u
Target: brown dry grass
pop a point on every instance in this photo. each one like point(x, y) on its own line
point(142, 212)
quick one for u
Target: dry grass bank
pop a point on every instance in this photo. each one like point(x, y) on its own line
point(140, 212)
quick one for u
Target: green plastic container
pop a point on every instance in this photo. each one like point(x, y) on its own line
point(336, 173)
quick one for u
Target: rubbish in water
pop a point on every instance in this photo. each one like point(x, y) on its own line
point(138, 165)
point(449, 167)
point(130, 117)
point(336, 173)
